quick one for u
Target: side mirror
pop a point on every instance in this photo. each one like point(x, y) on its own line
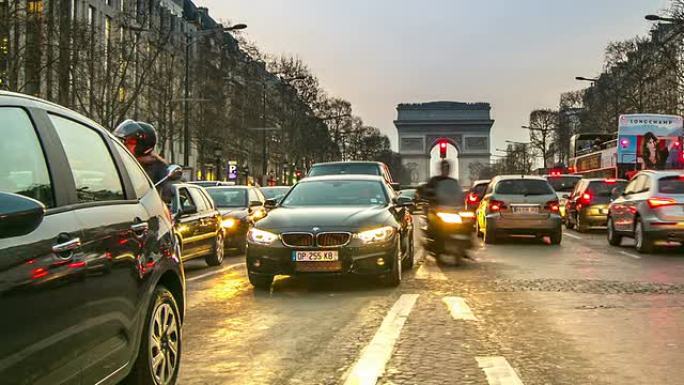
point(402, 201)
point(255, 204)
point(271, 203)
point(566, 196)
point(19, 215)
point(173, 172)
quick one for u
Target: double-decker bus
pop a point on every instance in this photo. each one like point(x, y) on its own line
point(644, 141)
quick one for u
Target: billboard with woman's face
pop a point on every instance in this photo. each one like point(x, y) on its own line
point(650, 142)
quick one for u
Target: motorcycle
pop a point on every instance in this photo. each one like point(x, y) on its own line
point(447, 233)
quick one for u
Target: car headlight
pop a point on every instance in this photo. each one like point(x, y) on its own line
point(380, 235)
point(450, 217)
point(261, 237)
point(228, 223)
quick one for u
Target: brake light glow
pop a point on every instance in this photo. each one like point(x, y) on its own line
point(610, 181)
point(496, 206)
point(553, 206)
point(656, 202)
point(473, 198)
point(586, 198)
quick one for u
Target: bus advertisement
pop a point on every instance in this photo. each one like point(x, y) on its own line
point(649, 142)
point(644, 141)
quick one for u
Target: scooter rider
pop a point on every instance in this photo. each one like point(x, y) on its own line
point(141, 138)
point(450, 195)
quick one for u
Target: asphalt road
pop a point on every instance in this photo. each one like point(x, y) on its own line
point(521, 312)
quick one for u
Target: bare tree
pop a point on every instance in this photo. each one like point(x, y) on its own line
point(543, 124)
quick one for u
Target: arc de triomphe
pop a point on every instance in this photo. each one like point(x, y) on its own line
point(422, 126)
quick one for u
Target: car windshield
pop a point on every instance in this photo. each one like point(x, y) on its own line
point(274, 192)
point(411, 193)
point(348, 168)
point(228, 197)
point(336, 193)
point(671, 185)
point(563, 183)
point(523, 187)
point(605, 189)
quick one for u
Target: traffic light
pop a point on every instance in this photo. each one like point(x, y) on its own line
point(443, 149)
point(299, 174)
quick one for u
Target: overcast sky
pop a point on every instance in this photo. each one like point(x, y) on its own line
point(517, 55)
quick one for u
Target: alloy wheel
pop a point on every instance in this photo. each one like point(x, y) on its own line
point(220, 248)
point(164, 344)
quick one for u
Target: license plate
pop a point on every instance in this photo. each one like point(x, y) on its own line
point(526, 210)
point(315, 256)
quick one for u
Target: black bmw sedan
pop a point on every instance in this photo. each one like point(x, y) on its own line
point(333, 225)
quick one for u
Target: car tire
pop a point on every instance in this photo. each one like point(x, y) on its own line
point(614, 239)
point(490, 235)
point(393, 278)
point(410, 255)
point(581, 227)
point(556, 236)
point(162, 306)
point(642, 241)
point(218, 251)
point(260, 282)
point(568, 225)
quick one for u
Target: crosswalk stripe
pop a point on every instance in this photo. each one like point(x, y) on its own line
point(371, 364)
point(498, 371)
point(459, 309)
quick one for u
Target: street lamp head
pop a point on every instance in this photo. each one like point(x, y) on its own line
point(653, 18)
point(236, 27)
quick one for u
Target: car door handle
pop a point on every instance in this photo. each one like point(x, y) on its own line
point(67, 246)
point(140, 227)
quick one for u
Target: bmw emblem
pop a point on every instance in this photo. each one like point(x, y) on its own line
point(315, 229)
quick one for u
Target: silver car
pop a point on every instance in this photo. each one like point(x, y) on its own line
point(519, 205)
point(651, 210)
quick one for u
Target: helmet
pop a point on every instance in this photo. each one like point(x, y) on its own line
point(139, 137)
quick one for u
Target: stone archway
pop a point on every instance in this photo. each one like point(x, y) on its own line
point(466, 126)
point(452, 155)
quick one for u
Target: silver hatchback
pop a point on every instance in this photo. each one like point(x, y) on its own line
point(519, 205)
point(651, 210)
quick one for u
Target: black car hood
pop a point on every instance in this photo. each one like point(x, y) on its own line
point(235, 212)
point(325, 218)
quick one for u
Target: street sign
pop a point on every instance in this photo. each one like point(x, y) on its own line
point(232, 170)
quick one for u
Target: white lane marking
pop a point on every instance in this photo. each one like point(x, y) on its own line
point(498, 371)
point(630, 255)
point(371, 365)
point(459, 309)
point(214, 272)
point(567, 233)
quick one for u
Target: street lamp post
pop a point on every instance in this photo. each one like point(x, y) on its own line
point(186, 107)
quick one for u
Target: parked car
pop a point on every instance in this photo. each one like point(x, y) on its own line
point(587, 207)
point(563, 185)
point(475, 193)
point(240, 208)
point(352, 168)
point(519, 205)
point(87, 255)
point(651, 209)
point(198, 225)
point(333, 225)
point(210, 183)
point(275, 192)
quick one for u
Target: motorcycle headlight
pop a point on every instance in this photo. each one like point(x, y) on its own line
point(450, 217)
point(380, 235)
point(228, 223)
point(261, 237)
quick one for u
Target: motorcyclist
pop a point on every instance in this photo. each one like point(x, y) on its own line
point(141, 138)
point(442, 189)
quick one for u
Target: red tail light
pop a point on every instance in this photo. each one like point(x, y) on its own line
point(610, 181)
point(473, 198)
point(496, 206)
point(586, 198)
point(656, 202)
point(552, 206)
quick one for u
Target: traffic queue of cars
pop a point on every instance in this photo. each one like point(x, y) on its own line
point(649, 208)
